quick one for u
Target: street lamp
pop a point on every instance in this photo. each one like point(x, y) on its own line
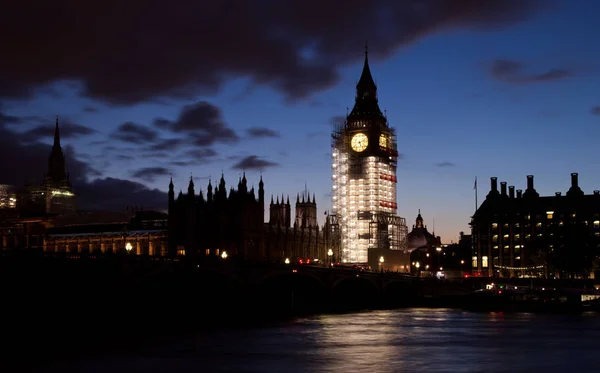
point(381, 260)
point(287, 260)
point(128, 247)
point(224, 255)
point(439, 250)
point(329, 255)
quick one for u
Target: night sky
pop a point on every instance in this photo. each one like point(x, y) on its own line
point(148, 88)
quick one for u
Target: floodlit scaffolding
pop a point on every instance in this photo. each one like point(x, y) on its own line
point(364, 194)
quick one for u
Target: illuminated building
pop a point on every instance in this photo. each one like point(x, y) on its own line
point(8, 197)
point(55, 194)
point(525, 234)
point(364, 152)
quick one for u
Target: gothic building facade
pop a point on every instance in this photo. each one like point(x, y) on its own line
point(224, 220)
point(234, 223)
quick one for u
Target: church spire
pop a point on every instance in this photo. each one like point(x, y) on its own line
point(56, 162)
point(56, 135)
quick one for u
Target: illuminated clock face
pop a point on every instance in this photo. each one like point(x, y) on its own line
point(359, 142)
point(383, 141)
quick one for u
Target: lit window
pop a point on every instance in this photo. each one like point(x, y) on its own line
point(484, 261)
point(207, 252)
point(474, 262)
point(494, 225)
point(549, 214)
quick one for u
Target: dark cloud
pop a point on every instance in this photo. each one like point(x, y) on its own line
point(150, 173)
point(296, 47)
point(514, 72)
point(90, 109)
point(262, 132)
point(253, 162)
point(123, 157)
point(67, 130)
point(337, 120)
point(203, 122)
point(98, 194)
point(184, 163)
point(445, 164)
point(134, 133)
point(596, 110)
point(155, 155)
point(167, 144)
point(116, 194)
point(201, 154)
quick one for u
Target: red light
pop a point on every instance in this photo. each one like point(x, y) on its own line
point(300, 261)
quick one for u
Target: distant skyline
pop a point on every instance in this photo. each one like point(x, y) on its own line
point(474, 89)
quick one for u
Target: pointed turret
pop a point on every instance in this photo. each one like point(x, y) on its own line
point(244, 182)
point(261, 192)
point(209, 194)
point(288, 200)
point(191, 191)
point(171, 192)
point(314, 199)
point(366, 105)
point(271, 200)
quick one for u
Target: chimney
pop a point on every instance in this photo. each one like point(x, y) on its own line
point(519, 193)
point(511, 191)
point(558, 194)
point(529, 182)
point(503, 188)
point(494, 182)
point(574, 181)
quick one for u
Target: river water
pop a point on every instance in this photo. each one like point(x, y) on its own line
point(408, 340)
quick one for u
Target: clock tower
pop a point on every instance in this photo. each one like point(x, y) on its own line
point(365, 154)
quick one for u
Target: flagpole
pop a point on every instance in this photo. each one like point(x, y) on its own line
point(476, 204)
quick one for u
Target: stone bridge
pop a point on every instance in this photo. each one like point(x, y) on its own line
point(167, 286)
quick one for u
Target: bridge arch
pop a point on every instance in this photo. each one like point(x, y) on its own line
point(284, 291)
point(356, 292)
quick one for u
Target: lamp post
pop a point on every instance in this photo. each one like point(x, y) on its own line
point(329, 255)
point(381, 260)
point(224, 255)
point(439, 250)
point(287, 261)
point(128, 247)
point(417, 265)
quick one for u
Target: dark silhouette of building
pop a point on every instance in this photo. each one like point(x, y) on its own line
point(524, 234)
point(223, 221)
point(55, 194)
point(420, 238)
point(364, 152)
point(235, 224)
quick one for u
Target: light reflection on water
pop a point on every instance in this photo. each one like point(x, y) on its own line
point(414, 340)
